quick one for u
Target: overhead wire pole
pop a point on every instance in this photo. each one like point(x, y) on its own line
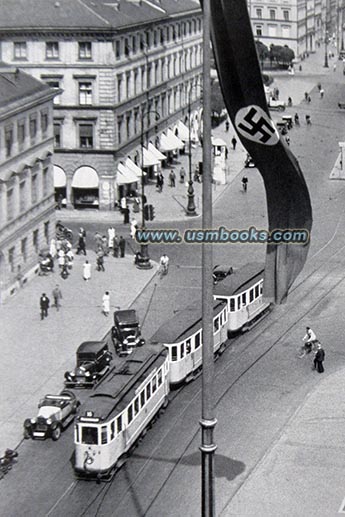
point(208, 420)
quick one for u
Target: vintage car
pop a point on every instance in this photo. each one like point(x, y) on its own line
point(278, 105)
point(249, 162)
point(220, 272)
point(55, 413)
point(126, 333)
point(93, 363)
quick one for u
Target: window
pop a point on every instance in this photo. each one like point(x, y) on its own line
point(46, 228)
point(128, 125)
point(112, 429)
point(34, 188)
point(8, 141)
point(10, 203)
point(119, 88)
point(232, 305)
point(216, 325)
point(136, 406)
point(44, 122)
point(261, 286)
point(89, 435)
point(272, 30)
point(162, 36)
point(142, 399)
point(130, 414)
point(128, 84)
point(127, 47)
point(85, 50)
point(104, 434)
point(35, 240)
point(197, 340)
point(160, 377)
point(258, 30)
point(85, 93)
point(286, 31)
point(57, 135)
point(238, 303)
point(117, 49)
point(22, 199)
point(188, 346)
point(52, 50)
point(286, 15)
point(86, 136)
point(11, 252)
point(251, 295)
point(259, 13)
point(244, 298)
point(119, 424)
point(182, 350)
point(272, 14)
point(21, 133)
point(19, 50)
point(45, 182)
point(154, 384)
point(256, 291)
point(148, 391)
point(119, 129)
point(134, 44)
point(33, 128)
point(174, 353)
point(55, 83)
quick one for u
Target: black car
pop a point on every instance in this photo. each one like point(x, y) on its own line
point(126, 333)
point(55, 413)
point(93, 362)
point(220, 272)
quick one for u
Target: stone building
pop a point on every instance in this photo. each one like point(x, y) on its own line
point(127, 69)
point(27, 214)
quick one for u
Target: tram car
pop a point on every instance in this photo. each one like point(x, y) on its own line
point(120, 410)
point(242, 292)
point(182, 336)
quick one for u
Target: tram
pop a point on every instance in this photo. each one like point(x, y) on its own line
point(119, 412)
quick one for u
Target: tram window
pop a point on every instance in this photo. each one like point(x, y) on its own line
point(216, 325)
point(174, 353)
point(89, 435)
point(197, 340)
point(148, 391)
point(188, 346)
point(130, 414)
point(76, 433)
point(112, 429)
point(244, 299)
point(232, 305)
point(136, 406)
point(224, 316)
point(182, 350)
point(119, 424)
point(160, 377)
point(142, 399)
point(261, 287)
point(251, 295)
point(238, 303)
point(154, 384)
point(256, 291)
point(104, 435)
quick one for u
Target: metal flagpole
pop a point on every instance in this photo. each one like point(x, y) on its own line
point(208, 420)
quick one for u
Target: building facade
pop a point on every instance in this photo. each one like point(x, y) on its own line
point(27, 207)
point(127, 70)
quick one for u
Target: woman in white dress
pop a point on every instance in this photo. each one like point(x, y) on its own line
point(86, 270)
point(106, 303)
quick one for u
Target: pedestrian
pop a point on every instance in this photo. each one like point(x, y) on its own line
point(161, 181)
point(244, 183)
point(307, 119)
point(111, 237)
point(86, 270)
point(319, 358)
point(116, 247)
point(296, 119)
point(287, 139)
point(52, 248)
point(306, 95)
point(289, 101)
point(105, 245)
point(334, 67)
point(172, 177)
point(309, 99)
point(234, 143)
point(100, 260)
point(81, 248)
point(44, 305)
point(182, 174)
point(106, 303)
point(227, 126)
point(57, 296)
point(226, 153)
point(134, 227)
point(122, 244)
point(319, 86)
point(322, 92)
point(61, 258)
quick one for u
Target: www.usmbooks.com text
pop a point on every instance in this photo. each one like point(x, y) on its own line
point(223, 235)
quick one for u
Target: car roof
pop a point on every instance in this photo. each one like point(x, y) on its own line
point(91, 346)
point(240, 280)
point(125, 317)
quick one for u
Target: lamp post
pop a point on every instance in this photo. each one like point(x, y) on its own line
point(191, 211)
point(143, 261)
point(326, 50)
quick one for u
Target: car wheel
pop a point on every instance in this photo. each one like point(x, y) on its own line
point(56, 433)
point(26, 434)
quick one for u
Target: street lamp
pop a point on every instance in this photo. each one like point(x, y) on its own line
point(143, 261)
point(191, 211)
point(326, 50)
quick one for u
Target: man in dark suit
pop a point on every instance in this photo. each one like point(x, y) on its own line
point(44, 306)
point(319, 358)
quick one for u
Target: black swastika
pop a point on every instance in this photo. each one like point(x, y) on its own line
point(261, 126)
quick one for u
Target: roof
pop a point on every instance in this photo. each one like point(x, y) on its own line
point(17, 85)
point(116, 391)
point(126, 317)
point(240, 280)
point(89, 14)
point(90, 346)
point(184, 323)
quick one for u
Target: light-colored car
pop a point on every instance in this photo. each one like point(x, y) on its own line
point(276, 105)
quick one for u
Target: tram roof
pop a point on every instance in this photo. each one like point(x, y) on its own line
point(91, 346)
point(240, 280)
point(115, 392)
point(185, 323)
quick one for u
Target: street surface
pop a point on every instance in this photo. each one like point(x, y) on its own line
point(272, 409)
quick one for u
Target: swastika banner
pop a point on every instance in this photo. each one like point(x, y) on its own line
point(288, 201)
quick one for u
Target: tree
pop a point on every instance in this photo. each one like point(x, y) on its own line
point(281, 55)
point(262, 51)
point(217, 101)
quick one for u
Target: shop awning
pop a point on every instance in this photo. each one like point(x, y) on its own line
point(59, 177)
point(218, 142)
point(170, 142)
point(183, 131)
point(133, 167)
point(156, 152)
point(178, 142)
point(149, 158)
point(125, 175)
point(85, 177)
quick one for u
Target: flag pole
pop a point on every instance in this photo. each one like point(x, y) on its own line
point(208, 420)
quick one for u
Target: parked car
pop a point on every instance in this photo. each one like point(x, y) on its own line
point(220, 272)
point(276, 105)
point(249, 162)
point(126, 333)
point(93, 363)
point(55, 413)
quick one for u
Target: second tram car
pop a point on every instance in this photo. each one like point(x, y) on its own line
point(119, 411)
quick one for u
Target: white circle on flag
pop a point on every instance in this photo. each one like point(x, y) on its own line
point(253, 123)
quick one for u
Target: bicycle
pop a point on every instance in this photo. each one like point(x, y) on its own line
point(163, 270)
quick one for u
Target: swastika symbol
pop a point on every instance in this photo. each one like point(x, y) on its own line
point(261, 126)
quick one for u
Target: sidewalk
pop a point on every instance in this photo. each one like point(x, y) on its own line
point(35, 354)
